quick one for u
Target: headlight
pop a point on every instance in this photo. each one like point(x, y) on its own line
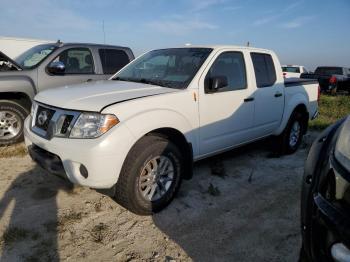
point(92, 125)
point(342, 148)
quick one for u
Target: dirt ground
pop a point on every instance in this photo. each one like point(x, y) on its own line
point(240, 206)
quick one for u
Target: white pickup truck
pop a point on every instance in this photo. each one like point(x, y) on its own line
point(290, 71)
point(138, 133)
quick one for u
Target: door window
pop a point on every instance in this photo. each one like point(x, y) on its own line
point(113, 60)
point(77, 61)
point(232, 66)
point(264, 69)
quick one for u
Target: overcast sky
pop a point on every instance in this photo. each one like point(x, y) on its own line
point(307, 32)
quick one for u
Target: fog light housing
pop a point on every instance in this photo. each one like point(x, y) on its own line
point(83, 171)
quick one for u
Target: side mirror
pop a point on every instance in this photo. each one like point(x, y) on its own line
point(56, 68)
point(218, 82)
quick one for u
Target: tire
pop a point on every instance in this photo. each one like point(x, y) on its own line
point(285, 145)
point(129, 190)
point(334, 91)
point(303, 257)
point(12, 116)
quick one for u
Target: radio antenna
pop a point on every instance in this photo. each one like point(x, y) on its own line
point(103, 30)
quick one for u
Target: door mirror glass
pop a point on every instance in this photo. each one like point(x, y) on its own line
point(218, 82)
point(56, 68)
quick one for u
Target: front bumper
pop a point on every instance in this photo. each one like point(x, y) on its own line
point(340, 253)
point(102, 157)
point(336, 214)
point(46, 160)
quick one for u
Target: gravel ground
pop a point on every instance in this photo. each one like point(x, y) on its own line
point(240, 206)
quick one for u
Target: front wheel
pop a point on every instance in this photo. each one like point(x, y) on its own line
point(150, 176)
point(12, 116)
point(291, 137)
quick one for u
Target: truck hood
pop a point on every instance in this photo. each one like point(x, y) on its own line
point(4, 58)
point(96, 95)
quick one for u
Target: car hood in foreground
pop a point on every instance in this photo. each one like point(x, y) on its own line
point(96, 95)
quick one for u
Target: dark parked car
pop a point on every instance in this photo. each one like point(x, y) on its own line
point(331, 78)
point(325, 203)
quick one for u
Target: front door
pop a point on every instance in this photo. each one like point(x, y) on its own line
point(79, 67)
point(226, 115)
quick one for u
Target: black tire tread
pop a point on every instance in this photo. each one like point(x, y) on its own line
point(283, 138)
point(124, 194)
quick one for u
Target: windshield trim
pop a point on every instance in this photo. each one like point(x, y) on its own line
point(55, 47)
point(186, 84)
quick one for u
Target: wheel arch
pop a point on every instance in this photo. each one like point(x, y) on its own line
point(19, 97)
point(297, 107)
point(301, 108)
point(176, 137)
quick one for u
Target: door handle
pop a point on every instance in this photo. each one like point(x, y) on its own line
point(249, 99)
point(278, 94)
point(89, 80)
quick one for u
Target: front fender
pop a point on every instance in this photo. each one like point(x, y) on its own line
point(17, 84)
point(147, 121)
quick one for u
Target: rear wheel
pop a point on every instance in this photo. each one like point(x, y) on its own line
point(150, 177)
point(291, 138)
point(12, 116)
point(334, 91)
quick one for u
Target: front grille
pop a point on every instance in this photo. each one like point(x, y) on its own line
point(52, 121)
point(43, 117)
point(66, 123)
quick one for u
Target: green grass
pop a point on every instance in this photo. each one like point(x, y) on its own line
point(331, 108)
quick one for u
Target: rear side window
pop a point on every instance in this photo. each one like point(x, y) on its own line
point(232, 66)
point(291, 69)
point(329, 70)
point(113, 60)
point(264, 69)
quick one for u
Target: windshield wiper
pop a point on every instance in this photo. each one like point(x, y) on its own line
point(121, 79)
point(142, 80)
point(152, 82)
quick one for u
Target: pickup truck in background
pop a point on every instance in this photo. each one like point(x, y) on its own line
point(290, 71)
point(47, 66)
point(331, 78)
point(137, 134)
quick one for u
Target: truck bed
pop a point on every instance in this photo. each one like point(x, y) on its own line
point(299, 81)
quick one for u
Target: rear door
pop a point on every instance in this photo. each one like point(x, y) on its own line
point(79, 64)
point(112, 60)
point(226, 116)
point(269, 95)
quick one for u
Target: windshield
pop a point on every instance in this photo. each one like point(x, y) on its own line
point(291, 69)
point(34, 55)
point(329, 71)
point(174, 68)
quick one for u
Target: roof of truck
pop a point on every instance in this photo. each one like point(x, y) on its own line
point(91, 44)
point(223, 47)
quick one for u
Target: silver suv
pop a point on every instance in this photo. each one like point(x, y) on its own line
point(48, 66)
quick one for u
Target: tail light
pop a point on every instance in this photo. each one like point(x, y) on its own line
point(284, 74)
point(318, 93)
point(333, 80)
